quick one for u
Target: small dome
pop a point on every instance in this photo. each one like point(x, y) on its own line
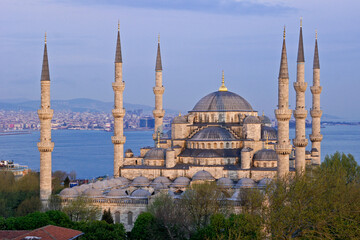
point(101, 184)
point(179, 120)
point(264, 182)
point(246, 149)
point(93, 192)
point(140, 182)
point(222, 101)
point(214, 134)
point(155, 154)
point(160, 182)
point(245, 183)
point(202, 176)
point(112, 182)
point(225, 182)
point(140, 193)
point(69, 192)
point(181, 182)
point(265, 155)
point(128, 150)
point(265, 119)
point(268, 133)
point(85, 186)
point(252, 120)
point(117, 193)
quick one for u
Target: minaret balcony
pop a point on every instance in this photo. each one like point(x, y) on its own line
point(300, 113)
point(300, 86)
point(316, 137)
point(45, 146)
point(283, 114)
point(159, 113)
point(118, 86)
point(300, 142)
point(158, 90)
point(118, 139)
point(316, 89)
point(316, 113)
point(283, 149)
point(118, 113)
point(45, 113)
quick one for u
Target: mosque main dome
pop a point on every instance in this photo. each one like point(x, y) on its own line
point(222, 101)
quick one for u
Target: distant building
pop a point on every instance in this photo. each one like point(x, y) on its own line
point(147, 122)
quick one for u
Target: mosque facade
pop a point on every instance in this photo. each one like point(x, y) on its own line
point(221, 139)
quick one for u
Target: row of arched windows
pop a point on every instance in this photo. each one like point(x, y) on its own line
point(221, 145)
point(129, 217)
point(215, 118)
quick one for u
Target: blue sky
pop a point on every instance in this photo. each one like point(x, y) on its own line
point(199, 38)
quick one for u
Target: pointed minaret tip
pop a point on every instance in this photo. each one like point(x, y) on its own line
point(158, 66)
point(45, 37)
point(300, 57)
point(118, 55)
point(283, 73)
point(284, 32)
point(316, 54)
point(45, 75)
point(222, 87)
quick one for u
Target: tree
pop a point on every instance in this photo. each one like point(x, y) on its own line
point(67, 182)
point(146, 227)
point(100, 230)
point(107, 217)
point(81, 209)
point(29, 205)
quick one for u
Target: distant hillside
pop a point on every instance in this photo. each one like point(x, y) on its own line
point(74, 105)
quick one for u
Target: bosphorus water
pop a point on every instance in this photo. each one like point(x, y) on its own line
point(90, 153)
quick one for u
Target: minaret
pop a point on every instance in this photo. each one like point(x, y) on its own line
point(316, 112)
point(158, 91)
point(283, 115)
point(118, 112)
point(45, 145)
point(300, 113)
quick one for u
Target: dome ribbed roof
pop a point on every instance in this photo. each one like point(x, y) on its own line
point(252, 120)
point(225, 182)
point(245, 183)
point(222, 101)
point(69, 192)
point(180, 120)
point(265, 155)
point(140, 193)
point(92, 192)
point(264, 182)
point(140, 182)
point(265, 119)
point(202, 175)
point(161, 179)
point(117, 193)
point(213, 133)
point(181, 182)
point(268, 133)
point(101, 184)
point(155, 154)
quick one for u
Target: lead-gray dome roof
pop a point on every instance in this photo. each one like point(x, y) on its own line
point(268, 133)
point(213, 133)
point(93, 192)
point(155, 154)
point(245, 183)
point(69, 192)
point(181, 182)
point(140, 182)
point(252, 120)
point(140, 193)
point(264, 182)
point(160, 182)
point(222, 101)
point(180, 120)
point(202, 175)
point(117, 193)
point(225, 182)
point(265, 155)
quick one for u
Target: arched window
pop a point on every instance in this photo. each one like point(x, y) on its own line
point(227, 145)
point(209, 145)
point(264, 165)
point(221, 145)
point(130, 218)
point(215, 145)
point(117, 217)
point(203, 145)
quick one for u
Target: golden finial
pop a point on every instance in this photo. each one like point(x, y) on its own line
point(222, 87)
point(158, 140)
point(263, 114)
point(179, 114)
point(300, 21)
point(118, 25)
point(45, 37)
point(316, 34)
point(284, 31)
point(159, 38)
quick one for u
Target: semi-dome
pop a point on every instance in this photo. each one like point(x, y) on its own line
point(268, 133)
point(202, 176)
point(213, 133)
point(93, 192)
point(155, 154)
point(264, 182)
point(181, 182)
point(140, 193)
point(69, 192)
point(140, 182)
point(265, 155)
point(225, 182)
point(252, 120)
point(245, 183)
point(222, 101)
point(117, 193)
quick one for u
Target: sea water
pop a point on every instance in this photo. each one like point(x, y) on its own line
point(90, 153)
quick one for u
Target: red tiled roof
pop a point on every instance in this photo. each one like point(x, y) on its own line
point(10, 234)
point(51, 232)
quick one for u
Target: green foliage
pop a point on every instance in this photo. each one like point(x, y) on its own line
point(100, 230)
point(28, 222)
point(29, 205)
point(67, 182)
point(81, 209)
point(107, 217)
point(59, 218)
point(147, 227)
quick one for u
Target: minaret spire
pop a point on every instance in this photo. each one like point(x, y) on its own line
point(316, 137)
point(118, 112)
point(222, 87)
point(283, 114)
point(158, 91)
point(45, 146)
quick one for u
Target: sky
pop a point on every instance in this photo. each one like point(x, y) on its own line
point(199, 39)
